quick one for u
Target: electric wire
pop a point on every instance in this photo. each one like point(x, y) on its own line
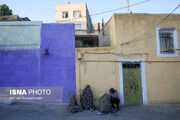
point(107, 11)
point(152, 34)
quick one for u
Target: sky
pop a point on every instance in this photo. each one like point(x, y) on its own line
point(44, 10)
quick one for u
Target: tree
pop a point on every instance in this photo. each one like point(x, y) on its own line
point(4, 10)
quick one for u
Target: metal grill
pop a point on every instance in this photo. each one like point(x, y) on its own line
point(131, 65)
point(166, 41)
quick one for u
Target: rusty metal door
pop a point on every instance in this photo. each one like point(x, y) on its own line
point(132, 84)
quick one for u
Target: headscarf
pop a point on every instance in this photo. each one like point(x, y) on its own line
point(87, 98)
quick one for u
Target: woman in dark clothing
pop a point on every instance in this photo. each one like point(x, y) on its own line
point(87, 98)
point(73, 107)
point(114, 98)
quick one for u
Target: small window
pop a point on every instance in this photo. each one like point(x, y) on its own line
point(77, 14)
point(166, 38)
point(167, 42)
point(65, 14)
point(77, 26)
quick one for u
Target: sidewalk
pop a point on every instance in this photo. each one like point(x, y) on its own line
point(58, 112)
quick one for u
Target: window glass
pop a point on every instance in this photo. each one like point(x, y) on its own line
point(77, 14)
point(77, 26)
point(65, 14)
point(166, 38)
point(167, 42)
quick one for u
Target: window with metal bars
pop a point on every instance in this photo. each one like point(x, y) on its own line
point(166, 37)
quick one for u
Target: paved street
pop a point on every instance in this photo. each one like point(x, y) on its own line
point(58, 112)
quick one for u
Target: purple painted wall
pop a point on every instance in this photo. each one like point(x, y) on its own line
point(58, 67)
point(19, 68)
point(32, 68)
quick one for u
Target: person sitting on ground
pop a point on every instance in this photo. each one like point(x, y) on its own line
point(104, 105)
point(114, 98)
point(86, 99)
point(73, 107)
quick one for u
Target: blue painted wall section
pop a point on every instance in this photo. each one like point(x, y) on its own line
point(19, 68)
point(32, 68)
point(58, 67)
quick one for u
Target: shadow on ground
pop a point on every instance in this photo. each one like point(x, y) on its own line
point(59, 112)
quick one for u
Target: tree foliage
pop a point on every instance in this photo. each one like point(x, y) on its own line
point(4, 10)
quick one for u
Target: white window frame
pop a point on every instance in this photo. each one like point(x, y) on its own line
point(77, 16)
point(78, 26)
point(175, 37)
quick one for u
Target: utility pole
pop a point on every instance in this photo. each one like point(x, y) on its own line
point(127, 7)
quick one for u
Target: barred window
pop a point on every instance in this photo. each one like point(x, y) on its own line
point(167, 42)
point(166, 37)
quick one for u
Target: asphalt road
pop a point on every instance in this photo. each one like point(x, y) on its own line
point(59, 112)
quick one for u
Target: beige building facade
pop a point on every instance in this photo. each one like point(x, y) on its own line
point(75, 13)
point(78, 14)
point(139, 57)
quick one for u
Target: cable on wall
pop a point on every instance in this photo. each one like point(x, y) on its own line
point(152, 34)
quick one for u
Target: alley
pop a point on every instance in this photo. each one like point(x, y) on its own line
point(58, 112)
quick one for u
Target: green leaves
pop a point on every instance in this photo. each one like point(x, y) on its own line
point(4, 10)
